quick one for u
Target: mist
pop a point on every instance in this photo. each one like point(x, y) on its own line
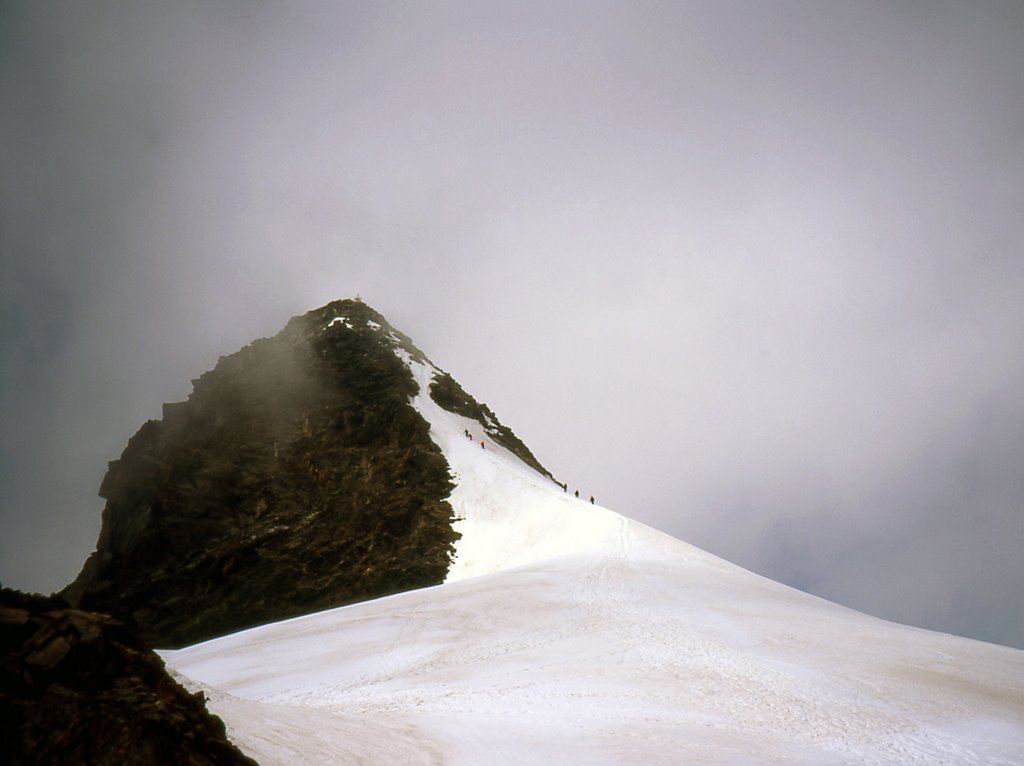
point(751, 274)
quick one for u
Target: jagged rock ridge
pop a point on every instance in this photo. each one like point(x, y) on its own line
point(296, 477)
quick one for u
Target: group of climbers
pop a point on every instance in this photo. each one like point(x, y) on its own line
point(470, 437)
point(565, 487)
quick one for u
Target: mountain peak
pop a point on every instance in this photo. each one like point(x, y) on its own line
point(350, 314)
point(297, 476)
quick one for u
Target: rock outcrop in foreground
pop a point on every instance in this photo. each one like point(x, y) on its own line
point(79, 687)
point(296, 477)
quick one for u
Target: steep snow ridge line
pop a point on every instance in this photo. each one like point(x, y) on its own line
point(508, 515)
point(511, 516)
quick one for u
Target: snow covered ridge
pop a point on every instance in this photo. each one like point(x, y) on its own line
point(568, 634)
point(506, 511)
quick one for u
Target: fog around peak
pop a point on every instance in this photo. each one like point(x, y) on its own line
point(749, 274)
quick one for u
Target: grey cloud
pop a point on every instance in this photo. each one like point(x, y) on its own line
point(748, 273)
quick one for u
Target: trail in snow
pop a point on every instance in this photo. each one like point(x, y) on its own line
point(566, 633)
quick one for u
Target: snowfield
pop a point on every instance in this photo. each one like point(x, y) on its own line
point(569, 634)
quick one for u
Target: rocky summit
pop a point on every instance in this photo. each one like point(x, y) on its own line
point(296, 477)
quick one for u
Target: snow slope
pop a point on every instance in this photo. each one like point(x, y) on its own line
point(568, 634)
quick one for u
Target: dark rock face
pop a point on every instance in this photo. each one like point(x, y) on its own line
point(296, 477)
point(79, 688)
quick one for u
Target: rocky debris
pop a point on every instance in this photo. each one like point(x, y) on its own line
point(78, 687)
point(297, 477)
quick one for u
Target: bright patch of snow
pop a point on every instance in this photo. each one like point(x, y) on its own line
point(509, 514)
point(568, 634)
point(341, 320)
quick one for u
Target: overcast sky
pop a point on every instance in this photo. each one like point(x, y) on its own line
point(752, 273)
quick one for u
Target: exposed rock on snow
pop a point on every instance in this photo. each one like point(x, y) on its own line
point(446, 392)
